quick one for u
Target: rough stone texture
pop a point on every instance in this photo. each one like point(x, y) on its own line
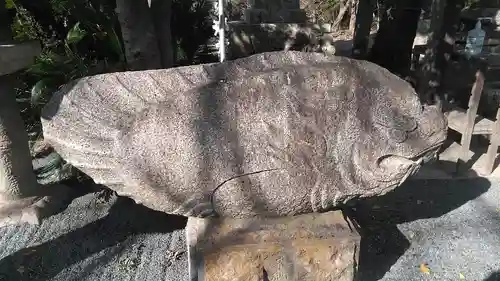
point(308, 247)
point(274, 134)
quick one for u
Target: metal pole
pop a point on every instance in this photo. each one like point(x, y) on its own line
point(222, 31)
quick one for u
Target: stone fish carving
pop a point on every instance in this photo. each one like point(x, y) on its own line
point(273, 134)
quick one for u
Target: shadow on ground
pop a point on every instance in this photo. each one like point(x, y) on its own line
point(495, 276)
point(382, 242)
point(125, 219)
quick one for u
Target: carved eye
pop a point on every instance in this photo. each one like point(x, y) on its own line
point(394, 119)
point(406, 123)
point(398, 136)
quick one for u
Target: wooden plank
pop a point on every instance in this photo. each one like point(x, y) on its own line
point(477, 89)
point(457, 120)
point(494, 143)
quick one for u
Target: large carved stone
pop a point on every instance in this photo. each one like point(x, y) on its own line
point(274, 134)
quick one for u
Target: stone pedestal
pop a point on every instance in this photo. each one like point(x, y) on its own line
point(21, 198)
point(308, 247)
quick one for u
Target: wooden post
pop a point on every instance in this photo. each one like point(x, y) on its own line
point(491, 155)
point(477, 89)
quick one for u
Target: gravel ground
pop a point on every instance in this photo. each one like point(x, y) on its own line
point(451, 226)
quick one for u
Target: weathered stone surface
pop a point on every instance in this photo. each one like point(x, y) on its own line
point(274, 134)
point(317, 247)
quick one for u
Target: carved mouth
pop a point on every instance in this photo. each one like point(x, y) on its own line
point(428, 154)
point(404, 167)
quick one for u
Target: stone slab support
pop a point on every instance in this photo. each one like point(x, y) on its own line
point(307, 247)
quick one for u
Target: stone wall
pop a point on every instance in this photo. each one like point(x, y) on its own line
point(247, 39)
point(275, 11)
point(274, 25)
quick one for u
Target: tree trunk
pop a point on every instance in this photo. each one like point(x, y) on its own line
point(353, 14)
point(345, 5)
point(444, 25)
point(393, 44)
point(162, 14)
point(363, 23)
point(138, 33)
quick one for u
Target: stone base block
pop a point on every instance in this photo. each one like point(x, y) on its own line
point(33, 210)
point(306, 247)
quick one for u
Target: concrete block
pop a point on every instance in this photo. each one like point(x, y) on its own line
point(306, 247)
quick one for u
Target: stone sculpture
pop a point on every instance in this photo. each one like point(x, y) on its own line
point(274, 134)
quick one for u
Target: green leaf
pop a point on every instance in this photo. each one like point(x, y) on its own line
point(23, 100)
point(38, 91)
point(9, 4)
point(115, 43)
point(75, 34)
